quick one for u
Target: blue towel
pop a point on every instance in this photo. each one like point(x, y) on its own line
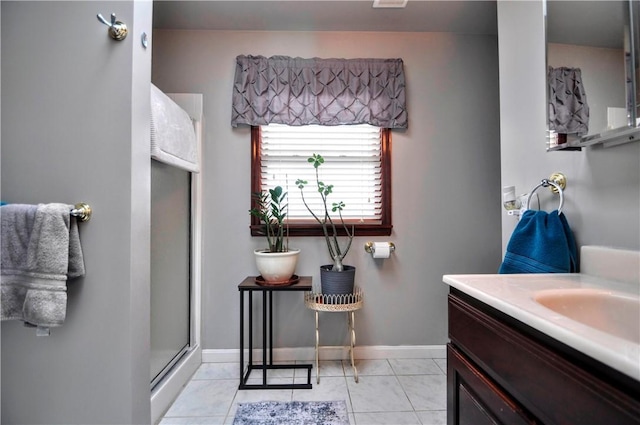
point(541, 243)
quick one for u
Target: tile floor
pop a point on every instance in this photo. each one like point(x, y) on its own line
point(389, 391)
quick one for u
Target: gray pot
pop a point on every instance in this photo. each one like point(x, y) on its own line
point(337, 282)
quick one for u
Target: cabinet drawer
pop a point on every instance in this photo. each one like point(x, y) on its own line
point(544, 382)
point(474, 399)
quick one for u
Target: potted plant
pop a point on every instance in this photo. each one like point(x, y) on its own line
point(277, 263)
point(335, 278)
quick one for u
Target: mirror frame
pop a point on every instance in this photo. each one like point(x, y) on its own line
point(617, 136)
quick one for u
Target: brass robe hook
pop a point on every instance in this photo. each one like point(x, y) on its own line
point(117, 29)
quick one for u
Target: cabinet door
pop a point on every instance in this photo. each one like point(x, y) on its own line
point(473, 399)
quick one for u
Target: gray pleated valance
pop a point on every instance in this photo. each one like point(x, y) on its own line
point(296, 91)
point(568, 108)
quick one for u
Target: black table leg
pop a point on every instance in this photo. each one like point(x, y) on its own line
point(270, 295)
point(241, 338)
point(267, 341)
point(264, 338)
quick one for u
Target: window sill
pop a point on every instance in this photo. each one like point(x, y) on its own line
point(315, 230)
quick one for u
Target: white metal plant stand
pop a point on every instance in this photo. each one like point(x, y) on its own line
point(347, 303)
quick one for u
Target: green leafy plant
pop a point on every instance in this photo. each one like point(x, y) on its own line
point(271, 209)
point(337, 251)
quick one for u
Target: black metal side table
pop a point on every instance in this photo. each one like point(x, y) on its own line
point(249, 286)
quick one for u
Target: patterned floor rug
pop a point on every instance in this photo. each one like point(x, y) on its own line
point(292, 413)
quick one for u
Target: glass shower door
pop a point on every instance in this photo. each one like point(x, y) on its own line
point(170, 267)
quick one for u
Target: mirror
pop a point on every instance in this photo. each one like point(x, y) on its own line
point(591, 72)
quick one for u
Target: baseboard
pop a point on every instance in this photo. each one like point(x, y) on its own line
point(332, 353)
point(168, 389)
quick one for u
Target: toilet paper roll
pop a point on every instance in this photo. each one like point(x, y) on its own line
point(381, 250)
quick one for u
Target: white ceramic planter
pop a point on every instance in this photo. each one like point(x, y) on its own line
point(276, 266)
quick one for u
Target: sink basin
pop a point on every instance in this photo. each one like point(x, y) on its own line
point(608, 311)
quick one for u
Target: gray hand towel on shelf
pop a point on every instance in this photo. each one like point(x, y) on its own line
point(40, 251)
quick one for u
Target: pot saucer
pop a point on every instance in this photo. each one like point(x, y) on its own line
point(294, 279)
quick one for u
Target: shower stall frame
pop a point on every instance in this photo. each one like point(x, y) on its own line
point(165, 391)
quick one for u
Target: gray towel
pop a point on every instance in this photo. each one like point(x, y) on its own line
point(40, 251)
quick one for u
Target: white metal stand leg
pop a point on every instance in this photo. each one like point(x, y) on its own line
point(317, 351)
point(351, 322)
point(351, 317)
point(348, 303)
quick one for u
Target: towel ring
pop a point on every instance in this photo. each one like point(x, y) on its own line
point(557, 188)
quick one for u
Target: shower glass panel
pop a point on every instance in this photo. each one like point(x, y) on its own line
point(170, 267)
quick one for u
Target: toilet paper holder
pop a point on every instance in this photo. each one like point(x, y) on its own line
point(370, 247)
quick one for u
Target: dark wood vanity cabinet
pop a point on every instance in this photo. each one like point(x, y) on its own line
point(501, 371)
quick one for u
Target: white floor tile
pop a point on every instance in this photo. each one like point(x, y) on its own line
point(415, 367)
point(204, 398)
point(389, 391)
point(252, 396)
point(330, 368)
point(433, 417)
point(330, 388)
point(378, 394)
point(442, 364)
point(368, 367)
point(201, 420)
point(426, 392)
point(218, 371)
point(386, 418)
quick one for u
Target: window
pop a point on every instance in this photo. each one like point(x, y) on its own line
point(357, 164)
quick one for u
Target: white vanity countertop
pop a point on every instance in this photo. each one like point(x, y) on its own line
point(513, 295)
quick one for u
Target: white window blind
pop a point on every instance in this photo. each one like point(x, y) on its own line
point(352, 165)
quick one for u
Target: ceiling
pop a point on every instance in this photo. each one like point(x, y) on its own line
point(587, 23)
point(457, 16)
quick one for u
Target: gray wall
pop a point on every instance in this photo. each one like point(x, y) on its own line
point(602, 199)
point(602, 76)
point(75, 127)
point(446, 184)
